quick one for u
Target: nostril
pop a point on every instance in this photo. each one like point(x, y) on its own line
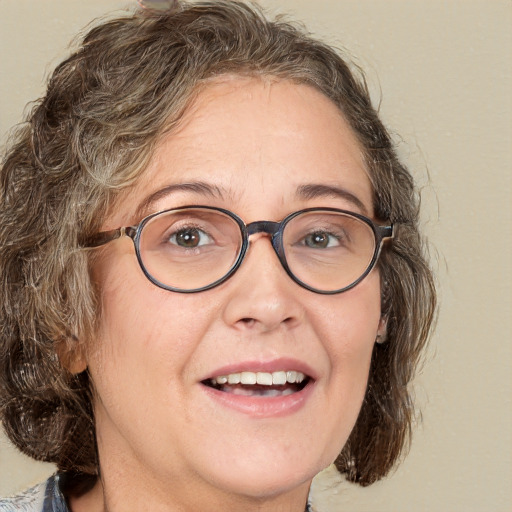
point(252, 322)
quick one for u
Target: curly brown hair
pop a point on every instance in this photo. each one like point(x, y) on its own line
point(93, 134)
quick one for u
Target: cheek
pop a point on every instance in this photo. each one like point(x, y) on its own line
point(140, 359)
point(350, 321)
point(141, 327)
point(133, 332)
point(348, 330)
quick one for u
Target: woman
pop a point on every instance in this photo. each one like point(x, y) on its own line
point(268, 314)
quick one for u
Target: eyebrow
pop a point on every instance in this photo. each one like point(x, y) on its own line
point(316, 190)
point(198, 187)
point(309, 191)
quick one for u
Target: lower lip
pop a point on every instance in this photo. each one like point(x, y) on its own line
point(262, 406)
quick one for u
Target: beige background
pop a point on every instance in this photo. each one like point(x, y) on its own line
point(445, 72)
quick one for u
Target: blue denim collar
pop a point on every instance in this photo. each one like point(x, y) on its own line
point(54, 500)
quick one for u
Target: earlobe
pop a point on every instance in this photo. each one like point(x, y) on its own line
point(382, 333)
point(71, 355)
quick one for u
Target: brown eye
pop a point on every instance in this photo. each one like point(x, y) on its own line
point(190, 238)
point(320, 240)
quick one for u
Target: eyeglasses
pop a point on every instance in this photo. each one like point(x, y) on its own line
point(195, 248)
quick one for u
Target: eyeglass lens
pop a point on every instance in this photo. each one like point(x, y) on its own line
point(190, 249)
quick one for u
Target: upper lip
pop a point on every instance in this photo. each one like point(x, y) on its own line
point(269, 366)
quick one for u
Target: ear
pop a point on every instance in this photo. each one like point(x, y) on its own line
point(71, 355)
point(382, 330)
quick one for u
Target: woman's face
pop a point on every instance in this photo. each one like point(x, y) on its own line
point(250, 146)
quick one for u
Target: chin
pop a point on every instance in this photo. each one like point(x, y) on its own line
point(271, 477)
point(260, 485)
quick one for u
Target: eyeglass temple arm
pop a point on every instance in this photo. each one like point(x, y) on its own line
point(386, 231)
point(105, 237)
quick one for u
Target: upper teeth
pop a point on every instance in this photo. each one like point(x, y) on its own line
point(262, 378)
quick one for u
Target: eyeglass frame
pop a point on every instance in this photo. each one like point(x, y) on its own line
point(271, 228)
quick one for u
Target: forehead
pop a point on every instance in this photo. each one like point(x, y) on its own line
point(256, 139)
point(252, 111)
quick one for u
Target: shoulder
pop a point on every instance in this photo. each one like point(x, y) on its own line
point(45, 497)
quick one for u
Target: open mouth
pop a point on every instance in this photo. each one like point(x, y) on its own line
point(264, 384)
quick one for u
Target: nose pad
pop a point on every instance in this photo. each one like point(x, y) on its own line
point(262, 295)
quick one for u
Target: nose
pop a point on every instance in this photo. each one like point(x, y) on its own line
point(262, 297)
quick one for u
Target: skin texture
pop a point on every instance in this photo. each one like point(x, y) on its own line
point(162, 439)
